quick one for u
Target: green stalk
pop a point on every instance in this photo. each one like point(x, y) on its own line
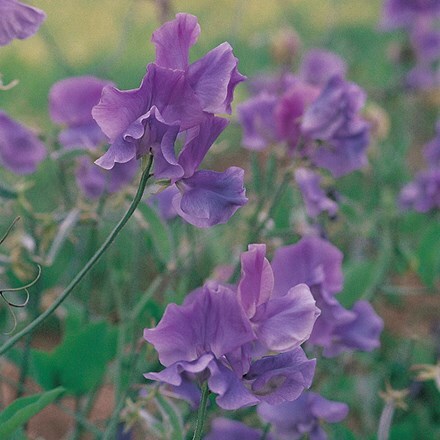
point(201, 416)
point(80, 275)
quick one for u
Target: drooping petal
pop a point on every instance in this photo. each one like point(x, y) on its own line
point(328, 410)
point(209, 198)
point(198, 141)
point(256, 282)
point(174, 39)
point(232, 393)
point(281, 378)
point(18, 20)
point(20, 149)
point(173, 374)
point(214, 78)
point(163, 201)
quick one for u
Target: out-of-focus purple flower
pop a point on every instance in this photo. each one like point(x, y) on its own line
point(333, 121)
point(431, 151)
point(257, 117)
point(406, 13)
point(319, 264)
point(272, 84)
point(220, 335)
point(93, 180)
point(422, 77)
point(20, 150)
point(222, 429)
point(318, 66)
point(293, 420)
point(213, 77)
point(70, 103)
point(314, 197)
point(423, 193)
point(209, 198)
point(425, 40)
point(360, 333)
point(18, 20)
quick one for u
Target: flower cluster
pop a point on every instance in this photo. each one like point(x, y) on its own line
point(420, 20)
point(70, 104)
point(316, 113)
point(318, 264)
point(177, 101)
point(423, 193)
point(243, 340)
point(18, 20)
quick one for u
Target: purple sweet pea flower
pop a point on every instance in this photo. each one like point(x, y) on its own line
point(70, 103)
point(20, 150)
point(314, 197)
point(18, 20)
point(93, 181)
point(405, 13)
point(422, 194)
point(318, 264)
point(219, 335)
point(222, 429)
point(333, 120)
point(213, 77)
point(318, 66)
point(293, 420)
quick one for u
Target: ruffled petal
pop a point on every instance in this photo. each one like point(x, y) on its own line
point(174, 39)
point(209, 198)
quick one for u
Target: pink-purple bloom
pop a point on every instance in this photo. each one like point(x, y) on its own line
point(20, 149)
point(405, 13)
point(316, 114)
point(18, 20)
point(293, 420)
point(243, 341)
point(318, 264)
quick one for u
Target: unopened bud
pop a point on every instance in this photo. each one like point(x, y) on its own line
point(285, 46)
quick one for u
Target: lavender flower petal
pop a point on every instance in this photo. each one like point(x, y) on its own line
point(18, 20)
point(318, 66)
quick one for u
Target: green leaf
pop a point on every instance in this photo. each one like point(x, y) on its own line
point(79, 363)
point(159, 232)
point(429, 255)
point(22, 409)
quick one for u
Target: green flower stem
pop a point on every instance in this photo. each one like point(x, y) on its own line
point(201, 416)
point(80, 275)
